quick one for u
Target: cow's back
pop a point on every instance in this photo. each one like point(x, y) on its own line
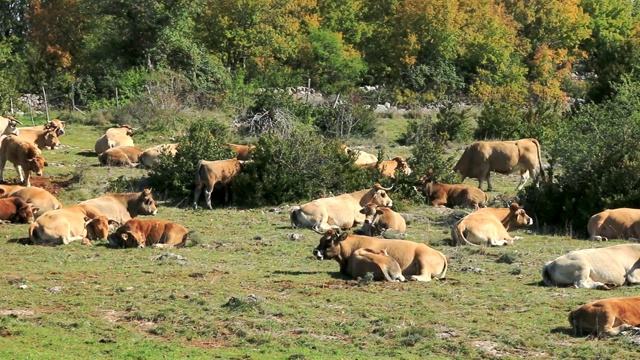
point(114, 208)
point(39, 198)
point(619, 223)
point(17, 150)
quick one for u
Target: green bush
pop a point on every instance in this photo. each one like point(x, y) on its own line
point(345, 119)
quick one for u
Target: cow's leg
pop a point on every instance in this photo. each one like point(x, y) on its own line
point(633, 276)
point(488, 178)
point(423, 272)
point(207, 196)
point(27, 179)
point(590, 284)
point(3, 162)
point(524, 176)
point(196, 195)
point(18, 169)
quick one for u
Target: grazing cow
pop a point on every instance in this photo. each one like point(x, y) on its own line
point(342, 210)
point(76, 222)
point(151, 156)
point(379, 263)
point(23, 155)
point(417, 261)
point(149, 232)
point(362, 158)
point(55, 124)
point(41, 138)
point(595, 268)
point(379, 219)
point(242, 151)
point(209, 173)
point(606, 317)
point(120, 136)
point(120, 156)
point(9, 126)
point(623, 223)
point(122, 207)
point(490, 227)
point(439, 194)
point(41, 200)
point(15, 210)
point(504, 157)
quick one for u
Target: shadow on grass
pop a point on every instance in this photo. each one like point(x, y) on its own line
point(297, 273)
point(563, 330)
point(87, 153)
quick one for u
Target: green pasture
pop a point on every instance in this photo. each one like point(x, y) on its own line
point(246, 288)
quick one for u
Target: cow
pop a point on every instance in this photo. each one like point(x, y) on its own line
point(490, 227)
point(151, 156)
point(41, 200)
point(595, 268)
point(127, 156)
point(242, 151)
point(342, 210)
point(622, 223)
point(417, 261)
point(388, 168)
point(379, 219)
point(362, 158)
point(209, 173)
point(15, 210)
point(73, 223)
point(449, 195)
point(55, 124)
point(41, 138)
point(120, 136)
point(149, 232)
point(122, 207)
point(606, 317)
point(504, 157)
point(23, 155)
point(378, 263)
point(9, 126)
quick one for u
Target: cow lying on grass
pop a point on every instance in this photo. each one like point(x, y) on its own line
point(606, 317)
point(41, 200)
point(149, 232)
point(490, 226)
point(73, 223)
point(15, 210)
point(379, 219)
point(439, 194)
point(378, 263)
point(623, 223)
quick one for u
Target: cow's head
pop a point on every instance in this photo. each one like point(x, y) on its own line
point(131, 238)
point(12, 126)
point(517, 217)
point(371, 212)
point(378, 195)
point(36, 165)
point(402, 165)
point(129, 129)
point(329, 247)
point(25, 213)
point(56, 125)
point(51, 139)
point(97, 228)
point(146, 203)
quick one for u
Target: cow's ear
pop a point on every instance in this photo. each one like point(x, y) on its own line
point(35, 209)
point(361, 210)
point(2, 191)
point(379, 212)
point(113, 222)
point(342, 236)
point(46, 163)
point(124, 236)
point(514, 206)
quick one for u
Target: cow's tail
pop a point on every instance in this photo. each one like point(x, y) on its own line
point(443, 273)
point(385, 272)
point(457, 234)
point(198, 179)
point(535, 141)
point(295, 217)
point(33, 233)
point(546, 274)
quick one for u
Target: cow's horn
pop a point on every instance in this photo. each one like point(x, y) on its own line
point(384, 188)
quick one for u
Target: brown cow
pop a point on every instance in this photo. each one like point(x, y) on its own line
point(15, 210)
point(242, 151)
point(439, 194)
point(342, 210)
point(9, 125)
point(379, 219)
point(120, 156)
point(76, 222)
point(55, 124)
point(417, 261)
point(149, 232)
point(41, 200)
point(388, 168)
point(378, 263)
point(606, 317)
point(490, 226)
point(123, 207)
point(23, 155)
point(41, 138)
point(209, 173)
point(622, 223)
point(504, 157)
point(120, 136)
point(151, 156)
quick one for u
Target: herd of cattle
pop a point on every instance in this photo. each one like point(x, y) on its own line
point(113, 216)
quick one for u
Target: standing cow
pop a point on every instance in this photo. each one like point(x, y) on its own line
point(23, 155)
point(209, 173)
point(504, 157)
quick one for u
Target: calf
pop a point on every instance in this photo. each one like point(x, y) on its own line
point(485, 228)
point(149, 232)
point(16, 210)
point(24, 157)
point(120, 156)
point(209, 173)
point(379, 263)
point(439, 194)
point(77, 222)
point(379, 219)
point(606, 317)
point(242, 151)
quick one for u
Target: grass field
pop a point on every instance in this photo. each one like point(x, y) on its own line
point(245, 289)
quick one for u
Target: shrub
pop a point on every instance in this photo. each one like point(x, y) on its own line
point(345, 119)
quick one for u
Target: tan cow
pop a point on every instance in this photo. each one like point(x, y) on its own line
point(490, 227)
point(73, 223)
point(120, 136)
point(595, 268)
point(342, 210)
point(606, 317)
point(149, 232)
point(9, 126)
point(128, 156)
point(362, 158)
point(41, 138)
point(23, 155)
point(209, 173)
point(378, 263)
point(388, 168)
point(151, 156)
point(622, 223)
point(379, 219)
point(439, 194)
point(41, 199)
point(55, 124)
point(123, 207)
point(504, 157)
point(417, 261)
point(242, 151)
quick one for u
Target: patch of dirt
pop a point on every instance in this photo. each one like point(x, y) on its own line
point(53, 184)
point(17, 312)
point(489, 347)
point(208, 344)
